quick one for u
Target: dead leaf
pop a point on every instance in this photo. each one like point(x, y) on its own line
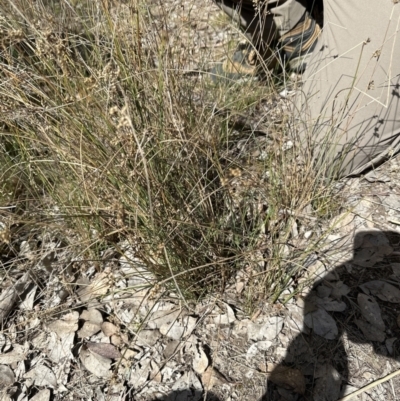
point(104, 350)
point(155, 372)
point(5, 234)
point(165, 316)
point(7, 377)
point(371, 311)
point(127, 357)
point(140, 373)
point(179, 328)
point(9, 296)
point(376, 176)
point(396, 269)
point(18, 354)
point(29, 298)
point(171, 348)
point(5, 343)
point(135, 269)
point(212, 377)
point(147, 338)
point(59, 348)
point(42, 395)
point(97, 287)
point(331, 305)
point(256, 348)
point(370, 248)
point(67, 324)
point(339, 290)
point(96, 364)
point(382, 290)
point(42, 376)
point(322, 324)
point(187, 381)
point(59, 341)
point(240, 286)
point(371, 333)
point(200, 360)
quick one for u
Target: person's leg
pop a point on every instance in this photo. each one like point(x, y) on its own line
point(349, 108)
point(269, 25)
point(272, 19)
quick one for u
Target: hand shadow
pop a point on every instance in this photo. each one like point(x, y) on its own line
point(355, 302)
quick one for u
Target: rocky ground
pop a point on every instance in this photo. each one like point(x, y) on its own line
point(113, 334)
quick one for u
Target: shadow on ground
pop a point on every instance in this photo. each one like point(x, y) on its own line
point(189, 395)
point(356, 302)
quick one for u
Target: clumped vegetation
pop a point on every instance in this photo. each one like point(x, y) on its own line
point(105, 138)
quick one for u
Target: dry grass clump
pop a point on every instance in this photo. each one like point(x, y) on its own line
point(101, 130)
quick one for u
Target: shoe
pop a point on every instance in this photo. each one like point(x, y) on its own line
point(298, 44)
point(242, 65)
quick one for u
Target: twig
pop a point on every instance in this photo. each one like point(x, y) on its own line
point(369, 386)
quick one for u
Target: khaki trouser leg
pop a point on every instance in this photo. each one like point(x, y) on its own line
point(273, 18)
point(349, 107)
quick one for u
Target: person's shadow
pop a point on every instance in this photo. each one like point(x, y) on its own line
point(355, 302)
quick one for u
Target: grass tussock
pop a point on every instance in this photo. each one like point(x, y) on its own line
point(101, 132)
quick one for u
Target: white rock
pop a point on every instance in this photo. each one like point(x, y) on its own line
point(287, 145)
point(225, 318)
point(109, 329)
point(255, 349)
point(88, 329)
point(296, 319)
point(267, 331)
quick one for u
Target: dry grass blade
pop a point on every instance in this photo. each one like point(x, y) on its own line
point(101, 126)
point(370, 386)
